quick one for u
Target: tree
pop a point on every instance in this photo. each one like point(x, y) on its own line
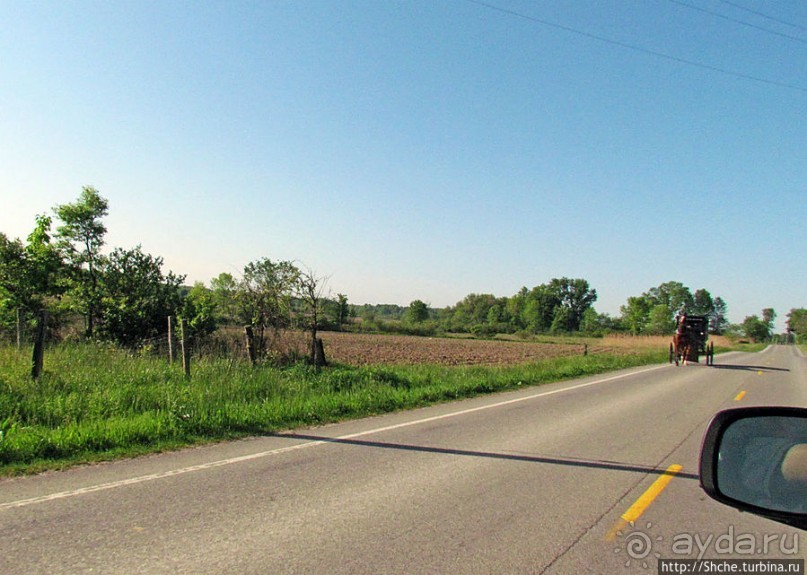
point(497, 317)
point(597, 323)
point(574, 297)
point(199, 311)
point(797, 323)
point(310, 288)
point(81, 237)
point(539, 308)
point(671, 296)
point(224, 291)
point(418, 312)
point(562, 320)
point(755, 328)
point(265, 297)
point(674, 295)
point(29, 273)
point(15, 293)
point(471, 312)
point(659, 321)
point(514, 308)
point(702, 304)
point(343, 310)
point(769, 317)
point(719, 319)
point(636, 313)
point(136, 297)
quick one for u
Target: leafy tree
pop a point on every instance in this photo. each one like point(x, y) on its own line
point(562, 320)
point(719, 319)
point(539, 309)
point(471, 311)
point(514, 309)
point(498, 317)
point(335, 312)
point(756, 328)
point(265, 297)
point(29, 273)
point(224, 292)
point(374, 313)
point(199, 311)
point(81, 237)
point(797, 323)
point(136, 297)
point(478, 307)
point(418, 312)
point(703, 304)
point(343, 310)
point(575, 296)
point(659, 321)
point(645, 313)
point(636, 313)
point(674, 295)
point(598, 323)
point(769, 317)
point(14, 288)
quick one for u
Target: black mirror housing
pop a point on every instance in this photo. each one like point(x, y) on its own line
point(755, 459)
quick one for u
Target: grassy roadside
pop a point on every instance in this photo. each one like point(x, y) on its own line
point(96, 403)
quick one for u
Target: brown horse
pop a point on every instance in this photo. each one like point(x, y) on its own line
point(681, 345)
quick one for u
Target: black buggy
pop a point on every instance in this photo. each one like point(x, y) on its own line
point(690, 341)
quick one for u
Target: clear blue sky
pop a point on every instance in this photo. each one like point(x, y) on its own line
point(425, 149)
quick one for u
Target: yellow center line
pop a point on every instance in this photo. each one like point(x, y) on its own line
point(740, 396)
point(635, 511)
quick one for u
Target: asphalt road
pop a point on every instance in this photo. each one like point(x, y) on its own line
point(533, 481)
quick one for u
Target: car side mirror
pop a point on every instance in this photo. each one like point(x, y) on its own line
point(755, 459)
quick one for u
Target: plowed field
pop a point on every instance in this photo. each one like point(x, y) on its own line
point(364, 349)
point(367, 349)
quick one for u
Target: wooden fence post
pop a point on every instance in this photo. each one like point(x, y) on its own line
point(250, 344)
point(186, 348)
point(39, 345)
point(172, 339)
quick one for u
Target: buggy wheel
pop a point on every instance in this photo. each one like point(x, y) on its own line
point(672, 354)
point(710, 354)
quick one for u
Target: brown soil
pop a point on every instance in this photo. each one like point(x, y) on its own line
point(364, 349)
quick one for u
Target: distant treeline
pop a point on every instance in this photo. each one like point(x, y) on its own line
point(561, 306)
point(124, 296)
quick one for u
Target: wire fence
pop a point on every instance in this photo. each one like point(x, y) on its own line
point(282, 347)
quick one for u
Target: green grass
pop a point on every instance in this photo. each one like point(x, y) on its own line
point(745, 347)
point(95, 402)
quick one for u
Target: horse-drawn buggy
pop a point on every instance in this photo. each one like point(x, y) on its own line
point(690, 341)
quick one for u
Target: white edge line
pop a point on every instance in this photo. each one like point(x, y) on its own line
point(242, 458)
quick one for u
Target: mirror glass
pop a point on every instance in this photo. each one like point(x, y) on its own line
point(763, 461)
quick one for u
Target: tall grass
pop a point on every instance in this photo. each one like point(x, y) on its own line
point(96, 402)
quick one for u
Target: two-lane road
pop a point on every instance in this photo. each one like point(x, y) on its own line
point(534, 481)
